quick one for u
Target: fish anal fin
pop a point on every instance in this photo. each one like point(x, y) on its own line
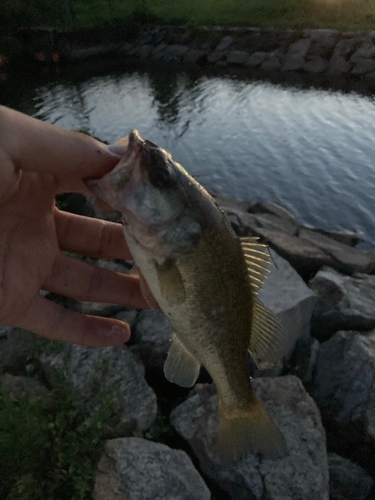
point(249, 430)
point(269, 341)
point(171, 284)
point(181, 367)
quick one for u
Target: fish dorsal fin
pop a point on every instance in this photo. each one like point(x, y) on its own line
point(181, 367)
point(257, 261)
point(268, 340)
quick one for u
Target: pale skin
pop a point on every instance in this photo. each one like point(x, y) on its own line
point(38, 161)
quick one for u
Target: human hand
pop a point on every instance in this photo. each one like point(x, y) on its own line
point(37, 161)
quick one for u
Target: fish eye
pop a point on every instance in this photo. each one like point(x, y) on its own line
point(162, 176)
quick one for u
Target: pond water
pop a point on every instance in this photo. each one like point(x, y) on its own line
point(312, 151)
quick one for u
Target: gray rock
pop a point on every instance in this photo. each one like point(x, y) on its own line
point(118, 266)
point(274, 61)
point(286, 294)
point(116, 371)
point(303, 256)
point(339, 62)
point(338, 65)
point(127, 315)
point(300, 47)
point(346, 259)
point(225, 42)
point(345, 48)
point(322, 43)
point(322, 34)
point(347, 479)
point(293, 62)
point(125, 48)
point(144, 51)
point(98, 308)
point(137, 469)
point(303, 361)
point(254, 222)
point(87, 52)
point(345, 303)
point(301, 473)
point(295, 57)
point(271, 208)
point(4, 330)
point(237, 57)
point(152, 337)
point(350, 238)
point(195, 56)
point(364, 66)
point(367, 51)
point(16, 350)
point(345, 370)
point(315, 64)
point(174, 52)
point(157, 53)
point(231, 205)
point(18, 386)
point(222, 62)
point(215, 56)
point(256, 59)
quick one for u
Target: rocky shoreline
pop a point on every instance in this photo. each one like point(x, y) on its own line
point(321, 396)
point(310, 51)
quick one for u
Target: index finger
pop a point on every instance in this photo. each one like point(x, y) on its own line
point(41, 147)
point(90, 237)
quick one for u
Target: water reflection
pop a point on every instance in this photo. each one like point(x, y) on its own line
point(310, 150)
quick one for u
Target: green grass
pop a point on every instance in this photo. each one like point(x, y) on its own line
point(49, 448)
point(341, 14)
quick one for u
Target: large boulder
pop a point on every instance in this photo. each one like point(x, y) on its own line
point(285, 293)
point(306, 258)
point(137, 469)
point(345, 303)
point(301, 473)
point(346, 259)
point(347, 479)
point(344, 388)
point(113, 371)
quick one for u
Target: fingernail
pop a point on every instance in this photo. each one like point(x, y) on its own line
point(117, 333)
point(116, 149)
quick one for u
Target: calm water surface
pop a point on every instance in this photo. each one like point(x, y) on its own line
point(312, 151)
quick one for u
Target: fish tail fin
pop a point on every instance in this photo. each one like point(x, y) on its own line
point(248, 430)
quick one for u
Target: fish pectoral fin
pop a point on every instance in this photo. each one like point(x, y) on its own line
point(170, 281)
point(269, 341)
point(257, 261)
point(181, 367)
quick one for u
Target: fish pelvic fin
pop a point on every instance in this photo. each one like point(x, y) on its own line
point(269, 341)
point(248, 430)
point(181, 367)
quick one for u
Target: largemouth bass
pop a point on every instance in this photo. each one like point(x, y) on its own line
point(205, 279)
